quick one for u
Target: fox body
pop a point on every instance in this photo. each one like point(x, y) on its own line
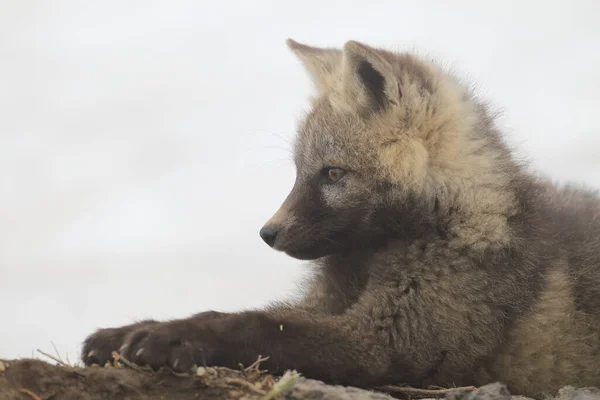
point(439, 259)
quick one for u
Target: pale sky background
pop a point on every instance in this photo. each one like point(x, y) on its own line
point(143, 143)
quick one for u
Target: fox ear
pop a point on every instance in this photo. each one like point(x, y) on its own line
point(321, 63)
point(368, 80)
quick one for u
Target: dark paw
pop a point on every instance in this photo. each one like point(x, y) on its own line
point(98, 347)
point(178, 345)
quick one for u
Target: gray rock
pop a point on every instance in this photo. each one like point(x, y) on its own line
point(492, 391)
point(572, 393)
point(308, 389)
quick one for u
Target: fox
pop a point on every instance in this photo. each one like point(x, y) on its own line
point(437, 257)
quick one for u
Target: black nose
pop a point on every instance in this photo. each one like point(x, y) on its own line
point(269, 234)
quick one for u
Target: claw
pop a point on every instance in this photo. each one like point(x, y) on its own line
point(91, 354)
point(175, 363)
point(140, 351)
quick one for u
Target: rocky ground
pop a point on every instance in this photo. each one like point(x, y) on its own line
point(33, 379)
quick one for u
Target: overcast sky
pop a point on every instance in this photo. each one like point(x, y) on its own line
point(143, 143)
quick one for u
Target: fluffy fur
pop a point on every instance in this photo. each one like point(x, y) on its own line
point(438, 258)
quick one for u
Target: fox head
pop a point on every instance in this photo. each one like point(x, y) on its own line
point(389, 149)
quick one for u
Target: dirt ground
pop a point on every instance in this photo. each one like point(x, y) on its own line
point(33, 379)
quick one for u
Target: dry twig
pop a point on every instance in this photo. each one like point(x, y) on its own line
point(117, 357)
point(30, 394)
point(60, 362)
point(50, 356)
point(436, 393)
point(57, 353)
point(256, 364)
point(241, 382)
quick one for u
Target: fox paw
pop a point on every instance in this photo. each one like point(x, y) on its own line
point(178, 345)
point(98, 347)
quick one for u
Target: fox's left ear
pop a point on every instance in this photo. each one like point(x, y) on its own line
point(321, 63)
point(368, 80)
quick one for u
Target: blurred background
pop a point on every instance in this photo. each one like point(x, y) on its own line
point(144, 143)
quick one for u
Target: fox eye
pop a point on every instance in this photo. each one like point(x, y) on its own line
point(333, 174)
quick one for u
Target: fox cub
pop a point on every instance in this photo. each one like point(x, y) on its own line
point(439, 259)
